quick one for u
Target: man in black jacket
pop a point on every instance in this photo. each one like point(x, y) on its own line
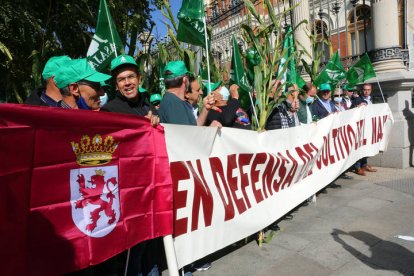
point(324, 105)
point(128, 100)
point(49, 95)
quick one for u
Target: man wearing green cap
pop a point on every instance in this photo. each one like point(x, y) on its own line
point(49, 95)
point(155, 100)
point(324, 105)
point(128, 99)
point(349, 95)
point(80, 85)
point(174, 108)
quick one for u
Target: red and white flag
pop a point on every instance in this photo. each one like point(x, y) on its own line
point(78, 187)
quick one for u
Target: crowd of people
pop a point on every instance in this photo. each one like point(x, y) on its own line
point(74, 84)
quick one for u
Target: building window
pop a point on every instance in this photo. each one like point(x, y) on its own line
point(360, 36)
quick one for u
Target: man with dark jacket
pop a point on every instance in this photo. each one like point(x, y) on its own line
point(324, 105)
point(49, 95)
point(128, 99)
point(322, 108)
point(361, 166)
point(284, 115)
point(227, 110)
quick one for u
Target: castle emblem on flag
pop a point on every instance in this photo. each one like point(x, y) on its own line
point(94, 190)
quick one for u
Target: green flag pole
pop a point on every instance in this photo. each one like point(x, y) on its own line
point(382, 94)
point(207, 55)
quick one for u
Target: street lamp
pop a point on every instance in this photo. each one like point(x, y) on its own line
point(320, 13)
point(354, 3)
point(335, 8)
point(240, 44)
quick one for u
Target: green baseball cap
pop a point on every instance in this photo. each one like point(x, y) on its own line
point(213, 86)
point(142, 89)
point(325, 87)
point(177, 68)
point(349, 87)
point(155, 97)
point(76, 70)
point(122, 60)
point(52, 65)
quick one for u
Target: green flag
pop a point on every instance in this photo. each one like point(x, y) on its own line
point(290, 75)
point(252, 59)
point(332, 73)
point(191, 23)
point(106, 43)
point(361, 71)
point(238, 76)
point(300, 81)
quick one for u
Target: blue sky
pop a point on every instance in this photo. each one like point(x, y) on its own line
point(160, 29)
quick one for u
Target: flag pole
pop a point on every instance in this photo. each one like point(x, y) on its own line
point(254, 108)
point(110, 28)
point(207, 55)
point(127, 262)
point(170, 255)
point(382, 94)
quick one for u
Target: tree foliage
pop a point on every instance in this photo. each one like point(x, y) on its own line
point(33, 31)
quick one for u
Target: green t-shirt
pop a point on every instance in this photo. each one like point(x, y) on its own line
point(173, 110)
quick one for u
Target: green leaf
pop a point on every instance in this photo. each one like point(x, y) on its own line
point(176, 43)
point(252, 9)
point(256, 40)
point(189, 58)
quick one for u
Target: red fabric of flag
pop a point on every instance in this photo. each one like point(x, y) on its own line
point(78, 187)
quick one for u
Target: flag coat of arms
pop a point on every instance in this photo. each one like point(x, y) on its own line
point(78, 187)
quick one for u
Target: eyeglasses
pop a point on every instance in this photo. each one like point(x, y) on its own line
point(95, 85)
point(156, 103)
point(124, 79)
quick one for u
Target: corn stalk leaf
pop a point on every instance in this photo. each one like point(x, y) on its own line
point(176, 43)
point(252, 9)
point(6, 51)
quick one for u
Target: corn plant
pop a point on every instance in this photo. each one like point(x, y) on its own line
point(265, 73)
point(178, 50)
point(313, 68)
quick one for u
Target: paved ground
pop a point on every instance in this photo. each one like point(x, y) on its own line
point(348, 231)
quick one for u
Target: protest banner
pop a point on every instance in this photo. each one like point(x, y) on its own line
point(227, 183)
point(78, 187)
point(230, 183)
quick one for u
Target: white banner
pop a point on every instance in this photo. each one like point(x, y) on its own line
point(230, 183)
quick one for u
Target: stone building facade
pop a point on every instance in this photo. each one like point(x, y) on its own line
point(382, 28)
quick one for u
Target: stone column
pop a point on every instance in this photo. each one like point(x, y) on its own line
point(387, 53)
point(396, 82)
point(301, 12)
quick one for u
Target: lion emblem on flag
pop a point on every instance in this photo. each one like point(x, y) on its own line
point(95, 199)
